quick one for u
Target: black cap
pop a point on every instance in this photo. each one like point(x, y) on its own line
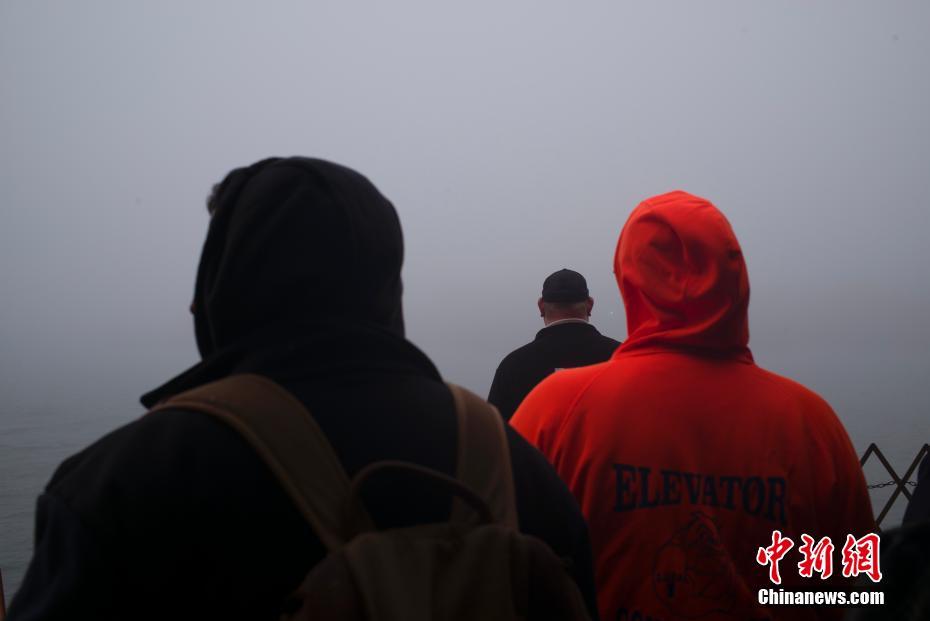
point(565, 286)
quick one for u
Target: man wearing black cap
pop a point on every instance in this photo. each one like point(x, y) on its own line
point(568, 340)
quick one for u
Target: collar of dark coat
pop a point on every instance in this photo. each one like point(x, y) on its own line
point(567, 328)
point(297, 351)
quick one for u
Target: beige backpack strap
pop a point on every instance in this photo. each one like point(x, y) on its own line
point(287, 438)
point(483, 458)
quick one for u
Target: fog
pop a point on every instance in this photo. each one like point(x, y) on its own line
point(514, 139)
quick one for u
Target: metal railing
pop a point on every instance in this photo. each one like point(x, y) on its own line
point(901, 483)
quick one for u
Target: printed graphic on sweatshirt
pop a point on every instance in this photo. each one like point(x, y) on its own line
point(693, 575)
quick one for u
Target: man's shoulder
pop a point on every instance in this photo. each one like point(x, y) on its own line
point(520, 355)
point(799, 407)
point(153, 453)
point(171, 471)
point(791, 390)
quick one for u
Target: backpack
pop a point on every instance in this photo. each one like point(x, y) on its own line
point(476, 566)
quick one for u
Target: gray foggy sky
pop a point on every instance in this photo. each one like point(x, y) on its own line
point(514, 139)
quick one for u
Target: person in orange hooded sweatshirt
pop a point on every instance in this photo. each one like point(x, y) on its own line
point(682, 453)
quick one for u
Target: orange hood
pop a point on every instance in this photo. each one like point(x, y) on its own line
point(683, 278)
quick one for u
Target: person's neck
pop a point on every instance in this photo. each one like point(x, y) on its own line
point(561, 320)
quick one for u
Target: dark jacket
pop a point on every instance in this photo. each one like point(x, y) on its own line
point(905, 565)
point(559, 346)
point(173, 515)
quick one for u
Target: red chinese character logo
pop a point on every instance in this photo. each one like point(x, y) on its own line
point(860, 556)
point(817, 557)
point(773, 554)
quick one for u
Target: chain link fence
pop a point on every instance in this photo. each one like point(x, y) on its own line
point(901, 483)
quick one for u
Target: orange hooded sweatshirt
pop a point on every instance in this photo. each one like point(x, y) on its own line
point(682, 453)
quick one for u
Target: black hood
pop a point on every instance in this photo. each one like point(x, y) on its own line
point(296, 240)
point(299, 274)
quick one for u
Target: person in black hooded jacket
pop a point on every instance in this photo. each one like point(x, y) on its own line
point(174, 515)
